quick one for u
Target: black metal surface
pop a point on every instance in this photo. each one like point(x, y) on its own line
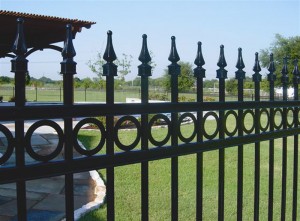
point(296, 80)
point(240, 76)
point(271, 79)
point(284, 81)
point(198, 142)
point(257, 79)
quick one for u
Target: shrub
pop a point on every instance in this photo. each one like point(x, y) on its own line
point(13, 99)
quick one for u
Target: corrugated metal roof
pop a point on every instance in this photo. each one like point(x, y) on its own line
point(39, 30)
point(46, 18)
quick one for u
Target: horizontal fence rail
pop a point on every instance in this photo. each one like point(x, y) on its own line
point(231, 119)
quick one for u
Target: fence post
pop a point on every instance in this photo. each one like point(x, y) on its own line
point(256, 77)
point(271, 79)
point(144, 71)
point(221, 75)
point(19, 67)
point(284, 81)
point(174, 71)
point(68, 69)
point(199, 73)
point(110, 70)
point(240, 76)
point(296, 80)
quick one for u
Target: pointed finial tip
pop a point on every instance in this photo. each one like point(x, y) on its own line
point(240, 49)
point(256, 53)
point(271, 54)
point(109, 32)
point(222, 46)
point(20, 20)
point(144, 36)
point(199, 43)
point(173, 38)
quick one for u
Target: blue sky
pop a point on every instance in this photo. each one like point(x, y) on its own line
point(247, 24)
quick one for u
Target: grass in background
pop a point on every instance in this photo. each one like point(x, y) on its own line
point(128, 187)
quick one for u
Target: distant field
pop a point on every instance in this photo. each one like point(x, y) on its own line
point(92, 95)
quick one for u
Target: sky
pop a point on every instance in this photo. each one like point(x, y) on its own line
point(250, 25)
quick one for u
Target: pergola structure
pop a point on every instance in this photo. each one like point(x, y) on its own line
point(40, 31)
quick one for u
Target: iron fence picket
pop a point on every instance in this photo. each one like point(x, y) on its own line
point(271, 79)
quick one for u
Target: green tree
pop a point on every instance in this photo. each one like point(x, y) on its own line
point(86, 83)
point(6, 80)
point(231, 86)
point(186, 79)
point(280, 48)
point(96, 65)
point(124, 65)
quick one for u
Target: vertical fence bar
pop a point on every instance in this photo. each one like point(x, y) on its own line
point(174, 71)
point(110, 70)
point(240, 76)
point(144, 73)
point(256, 77)
point(199, 73)
point(221, 75)
point(19, 67)
point(296, 80)
point(284, 81)
point(271, 79)
point(68, 69)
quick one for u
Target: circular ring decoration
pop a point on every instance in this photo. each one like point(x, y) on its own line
point(297, 112)
point(180, 120)
point(99, 146)
point(138, 136)
point(10, 146)
point(28, 136)
point(150, 124)
point(264, 110)
point(277, 127)
point(228, 133)
point(206, 135)
point(290, 125)
point(243, 125)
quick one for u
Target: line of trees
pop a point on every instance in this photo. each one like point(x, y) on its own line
point(281, 47)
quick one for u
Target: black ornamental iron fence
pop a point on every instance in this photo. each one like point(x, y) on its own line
point(139, 151)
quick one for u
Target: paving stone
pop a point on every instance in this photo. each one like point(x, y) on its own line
point(50, 136)
point(38, 140)
point(5, 218)
point(35, 196)
point(79, 201)
point(4, 199)
point(53, 202)
point(84, 190)
point(85, 175)
point(3, 143)
point(9, 208)
point(2, 140)
point(46, 185)
point(43, 215)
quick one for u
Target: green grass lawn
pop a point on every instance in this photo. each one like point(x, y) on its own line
point(128, 187)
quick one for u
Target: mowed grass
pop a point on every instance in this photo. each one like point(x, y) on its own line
point(128, 182)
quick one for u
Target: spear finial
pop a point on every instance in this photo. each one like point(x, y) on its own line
point(240, 74)
point(19, 46)
point(144, 68)
point(68, 50)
